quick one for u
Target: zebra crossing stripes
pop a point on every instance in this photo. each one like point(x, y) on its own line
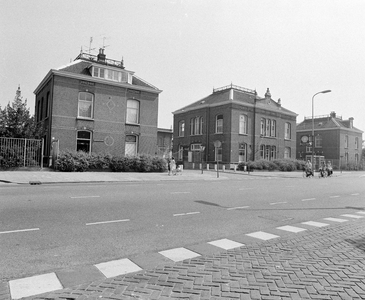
point(352, 216)
point(226, 244)
point(315, 224)
point(117, 267)
point(179, 254)
point(335, 220)
point(291, 228)
point(262, 235)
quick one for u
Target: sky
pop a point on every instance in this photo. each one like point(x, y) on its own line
point(188, 47)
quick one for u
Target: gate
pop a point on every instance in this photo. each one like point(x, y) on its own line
point(16, 152)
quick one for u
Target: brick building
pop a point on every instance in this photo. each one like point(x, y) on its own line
point(335, 139)
point(94, 104)
point(243, 125)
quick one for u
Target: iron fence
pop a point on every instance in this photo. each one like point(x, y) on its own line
point(15, 152)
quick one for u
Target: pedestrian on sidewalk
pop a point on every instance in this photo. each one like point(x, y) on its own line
point(168, 166)
point(173, 166)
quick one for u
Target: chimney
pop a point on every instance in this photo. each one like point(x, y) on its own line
point(351, 122)
point(101, 55)
point(333, 114)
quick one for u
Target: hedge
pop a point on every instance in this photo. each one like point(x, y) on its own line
point(285, 164)
point(72, 161)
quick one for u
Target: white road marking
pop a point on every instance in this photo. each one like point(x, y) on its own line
point(180, 192)
point(20, 230)
point(117, 267)
point(309, 199)
point(315, 224)
point(336, 220)
point(238, 207)
point(291, 228)
point(107, 222)
point(361, 212)
point(179, 254)
point(274, 203)
point(352, 216)
point(34, 285)
point(242, 189)
point(78, 197)
point(262, 235)
point(184, 214)
point(356, 194)
point(334, 196)
point(226, 244)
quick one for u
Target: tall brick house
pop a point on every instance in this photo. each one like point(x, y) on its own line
point(94, 104)
point(233, 125)
point(335, 139)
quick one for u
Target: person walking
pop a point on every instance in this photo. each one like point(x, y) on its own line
point(173, 166)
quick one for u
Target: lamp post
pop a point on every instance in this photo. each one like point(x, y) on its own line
point(322, 92)
point(202, 148)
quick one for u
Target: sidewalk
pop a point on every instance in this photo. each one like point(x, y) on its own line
point(49, 176)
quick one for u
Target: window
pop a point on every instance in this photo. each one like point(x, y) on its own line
point(218, 154)
point(130, 145)
point(267, 131)
point(346, 141)
point(262, 128)
point(262, 151)
point(273, 152)
point(181, 128)
point(196, 126)
point(287, 153)
point(318, 141)
point(113, 75)
point(273, 128)
point(41, 115)
point(267, 152)
point(47, 105)
point(242, 153)
point(83, 141)
point(219, 124)
point(356, 158)
point(133, 111)
point(347, 157)
point(356, 143)
point(86, 102)
point(287, 131)
point(243, 124)
point(180, 153)
point(195, 147)
point(308, 149)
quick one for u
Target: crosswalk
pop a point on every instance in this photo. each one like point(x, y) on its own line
point(49, 282)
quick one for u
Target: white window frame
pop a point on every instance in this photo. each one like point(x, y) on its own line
point(180, 152)
point(262, 151)
point(273, 128)
point(346, 141)
point(135, 144)
point(268, 127)
point(263, 126)
point(83, 139)
point(356, 143)
point(287, 131)
point(218, 154)
point(242, 149)
point(318, 140)
point(85, 101)
point(243, 124)
point(219, 124)
point(195, 147)
point(182, 128)
point(132, 111)
point(273, 152)
point(287, 152)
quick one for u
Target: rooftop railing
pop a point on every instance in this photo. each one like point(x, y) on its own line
point(107, 61)
point(322, 117)
point(236, 87)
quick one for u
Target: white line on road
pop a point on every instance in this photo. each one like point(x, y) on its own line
point(75, 197)
point(309, 199)
point(20, 230)
point(238, 207)
point(356, 194)
point(334, 196)
point(274, 203)
point(180, 192)
point(107, 222)
point(185, 214)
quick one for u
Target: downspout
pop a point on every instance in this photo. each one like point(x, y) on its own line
point(254, 131)
point(208, 134)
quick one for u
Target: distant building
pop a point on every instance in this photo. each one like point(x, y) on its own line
point(94, 104)
point(164, 142)
point(335, 139)
point(233, 125)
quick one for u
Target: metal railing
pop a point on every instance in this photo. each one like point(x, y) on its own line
point(15, 152)
point(240, 88)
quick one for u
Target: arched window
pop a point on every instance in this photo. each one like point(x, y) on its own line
point(133, 111)
point(83, 141)
point(268, 124)
point(182, 128)
point(86, 102)
point(262, 151)
point(273, 127)
point(273, 152)
point(267, 152)
point(130, 145)
point(242, 153)
point(287, 151)
point(243, 124)
point(263, 126)
point(219, 124)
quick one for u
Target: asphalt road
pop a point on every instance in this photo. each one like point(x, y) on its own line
point(49, 227)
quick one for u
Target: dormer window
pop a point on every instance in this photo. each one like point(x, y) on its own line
point(111, 74)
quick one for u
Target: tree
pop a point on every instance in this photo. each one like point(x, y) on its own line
point(16, 121)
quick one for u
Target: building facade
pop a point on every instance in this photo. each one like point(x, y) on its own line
point(233, 125)
point(94, 104)
point(335, 140)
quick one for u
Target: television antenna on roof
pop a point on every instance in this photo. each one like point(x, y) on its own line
point(89, 49)
point(104, 46)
